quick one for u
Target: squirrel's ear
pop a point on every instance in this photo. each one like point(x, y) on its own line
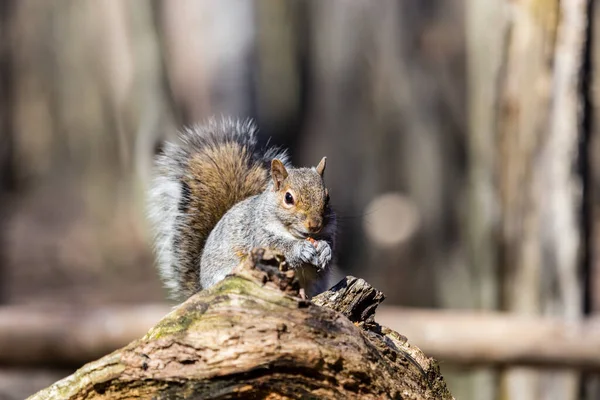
point(321, 166)
point(278, 173)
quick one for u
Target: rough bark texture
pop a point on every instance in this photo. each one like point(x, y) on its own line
point(251, 336)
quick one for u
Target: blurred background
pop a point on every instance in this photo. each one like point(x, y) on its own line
point(463, 159)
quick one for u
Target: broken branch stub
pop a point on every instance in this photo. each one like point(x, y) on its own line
point(251, 336)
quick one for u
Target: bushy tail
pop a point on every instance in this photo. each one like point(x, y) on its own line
point(195, 182)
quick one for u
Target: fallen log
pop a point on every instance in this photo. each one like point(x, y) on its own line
point(252, 336)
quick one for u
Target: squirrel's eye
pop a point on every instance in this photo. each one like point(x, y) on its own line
point(289, 199)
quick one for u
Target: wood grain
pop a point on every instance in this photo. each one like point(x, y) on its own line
point(252, 336)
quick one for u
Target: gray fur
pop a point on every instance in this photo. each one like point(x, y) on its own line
point(163, 213)
point(239, 229)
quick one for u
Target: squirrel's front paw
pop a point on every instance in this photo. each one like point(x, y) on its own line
point(308, 253)
point(324, 255)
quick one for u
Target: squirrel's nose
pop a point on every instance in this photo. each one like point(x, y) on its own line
point(314, 224)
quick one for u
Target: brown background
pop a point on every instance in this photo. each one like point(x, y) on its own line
point(461, 156)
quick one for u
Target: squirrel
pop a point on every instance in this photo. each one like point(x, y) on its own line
point(216, 195)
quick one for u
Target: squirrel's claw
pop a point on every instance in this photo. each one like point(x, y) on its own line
point(324, 255)
point(308, 253)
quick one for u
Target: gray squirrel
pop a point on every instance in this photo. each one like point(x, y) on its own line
point(215, 196)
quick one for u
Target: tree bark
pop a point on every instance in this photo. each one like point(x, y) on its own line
point(252, 336)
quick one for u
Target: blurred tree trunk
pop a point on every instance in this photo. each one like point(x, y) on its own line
point(7, 173)
point(209, 49)
point(80, 77)
point(592, 386)
point(526, 190)
point(280, 70)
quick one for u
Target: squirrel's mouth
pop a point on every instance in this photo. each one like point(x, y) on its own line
point(298, 233)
